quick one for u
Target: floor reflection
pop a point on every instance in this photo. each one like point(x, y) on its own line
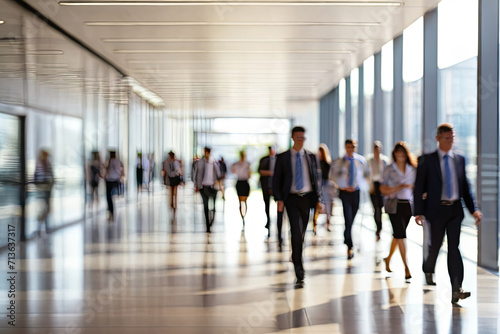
point(149, 271)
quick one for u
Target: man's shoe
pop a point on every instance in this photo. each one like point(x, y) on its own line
point(299, 283)
point(459, 294)
point(429, 280)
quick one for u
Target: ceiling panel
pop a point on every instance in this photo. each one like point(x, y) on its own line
point(224, 57)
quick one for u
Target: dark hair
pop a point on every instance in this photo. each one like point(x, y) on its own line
point(171, 154)
point(298, 129)
point(444, 127)
point(242, 153)
point(350, 141)
point(112, 154)
point(207, 149)
point(410, 158)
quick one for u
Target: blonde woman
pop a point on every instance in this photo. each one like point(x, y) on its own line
point(327, 186)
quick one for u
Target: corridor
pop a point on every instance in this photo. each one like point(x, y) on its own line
point(148, 273)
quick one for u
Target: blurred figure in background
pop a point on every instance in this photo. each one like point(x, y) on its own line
point(377, 163)
point(172, 177)
point(94, 175)
point(139, 173)
point(243, 172)
point(348, 173)
point(44, 181)
point(114, 173)
point(266, 170)
point(327, 187)
point(223, 171)
point(206, 174)
point(152, 166)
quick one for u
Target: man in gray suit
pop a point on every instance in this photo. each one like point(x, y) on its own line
point(206, 173)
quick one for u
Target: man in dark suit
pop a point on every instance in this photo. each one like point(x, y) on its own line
point(296, 187)
point(266, 169)
point(440, 186)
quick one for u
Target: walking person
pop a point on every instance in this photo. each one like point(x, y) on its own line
point(95, 170)
point(206, 174)
point(172, 177)
point(266, 170)
point(377, 164)
point(114, 173)
point(441, 177)
point(397, 185)
point(44, 181)
point(223, 172)
point(348, 173)
point(243, 173)
point(296, 187)
point(327, 187)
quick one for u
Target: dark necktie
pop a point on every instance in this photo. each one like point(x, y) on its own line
point(447, 171)
point(299, 180)
point(351, 172)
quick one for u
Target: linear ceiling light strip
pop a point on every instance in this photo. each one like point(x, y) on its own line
point(244, 24)
point(234, 3)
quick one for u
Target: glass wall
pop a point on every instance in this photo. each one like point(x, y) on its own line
point(354, 103)
point(413, 68)
point(457, 62)
point(387, 88)
point(342, 116)
point(73, 103)
point(369, 81)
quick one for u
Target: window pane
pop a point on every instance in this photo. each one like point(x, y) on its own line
point(457, 60)
point(413, 64)
point(354, 103)
point(387, 88)
point(369, 81)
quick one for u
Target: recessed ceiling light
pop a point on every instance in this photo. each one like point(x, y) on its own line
point(234, 3)
point(2, 22)
point(204, 23)
point(235, 40)
point(124, 51)
point(45, 52)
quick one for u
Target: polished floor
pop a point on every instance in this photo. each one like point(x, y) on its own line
point(147, 272)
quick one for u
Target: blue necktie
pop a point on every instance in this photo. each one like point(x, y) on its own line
point(351, 173)
point(447, 176)
point(299, 180)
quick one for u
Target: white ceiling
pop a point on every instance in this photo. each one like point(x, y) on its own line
point(238, 59)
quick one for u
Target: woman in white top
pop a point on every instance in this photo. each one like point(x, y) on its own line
point(397, 183)
point(243, 172)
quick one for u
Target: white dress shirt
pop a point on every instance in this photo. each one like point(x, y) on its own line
point(305, 172)
point(454, 178)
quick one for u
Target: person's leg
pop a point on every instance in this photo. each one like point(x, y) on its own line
point(212, 196)
point(109, 198)
point(204, 197)
point(402, 250)
point(267, 201)
point(387, 260)
point(296, 234)
point(437, 230)
point(455, 263)
point(348, 218)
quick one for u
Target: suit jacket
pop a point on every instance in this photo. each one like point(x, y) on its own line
point(429, 182)
point(199, 173)
point(283, 174)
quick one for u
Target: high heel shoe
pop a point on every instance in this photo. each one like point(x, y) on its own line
point(387, 268)
point(407, 276)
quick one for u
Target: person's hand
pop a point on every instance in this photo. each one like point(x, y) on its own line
point(196, 189)
point(281, 206)
point(478, 215)
point(350, 189)
point(419, 220)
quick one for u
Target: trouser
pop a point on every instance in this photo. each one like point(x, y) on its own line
point(350, 205)
point(297, 208)
point(267, 202)
point(110, 186)
point(449, 220)
point(378, 203)
point(208, 193)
